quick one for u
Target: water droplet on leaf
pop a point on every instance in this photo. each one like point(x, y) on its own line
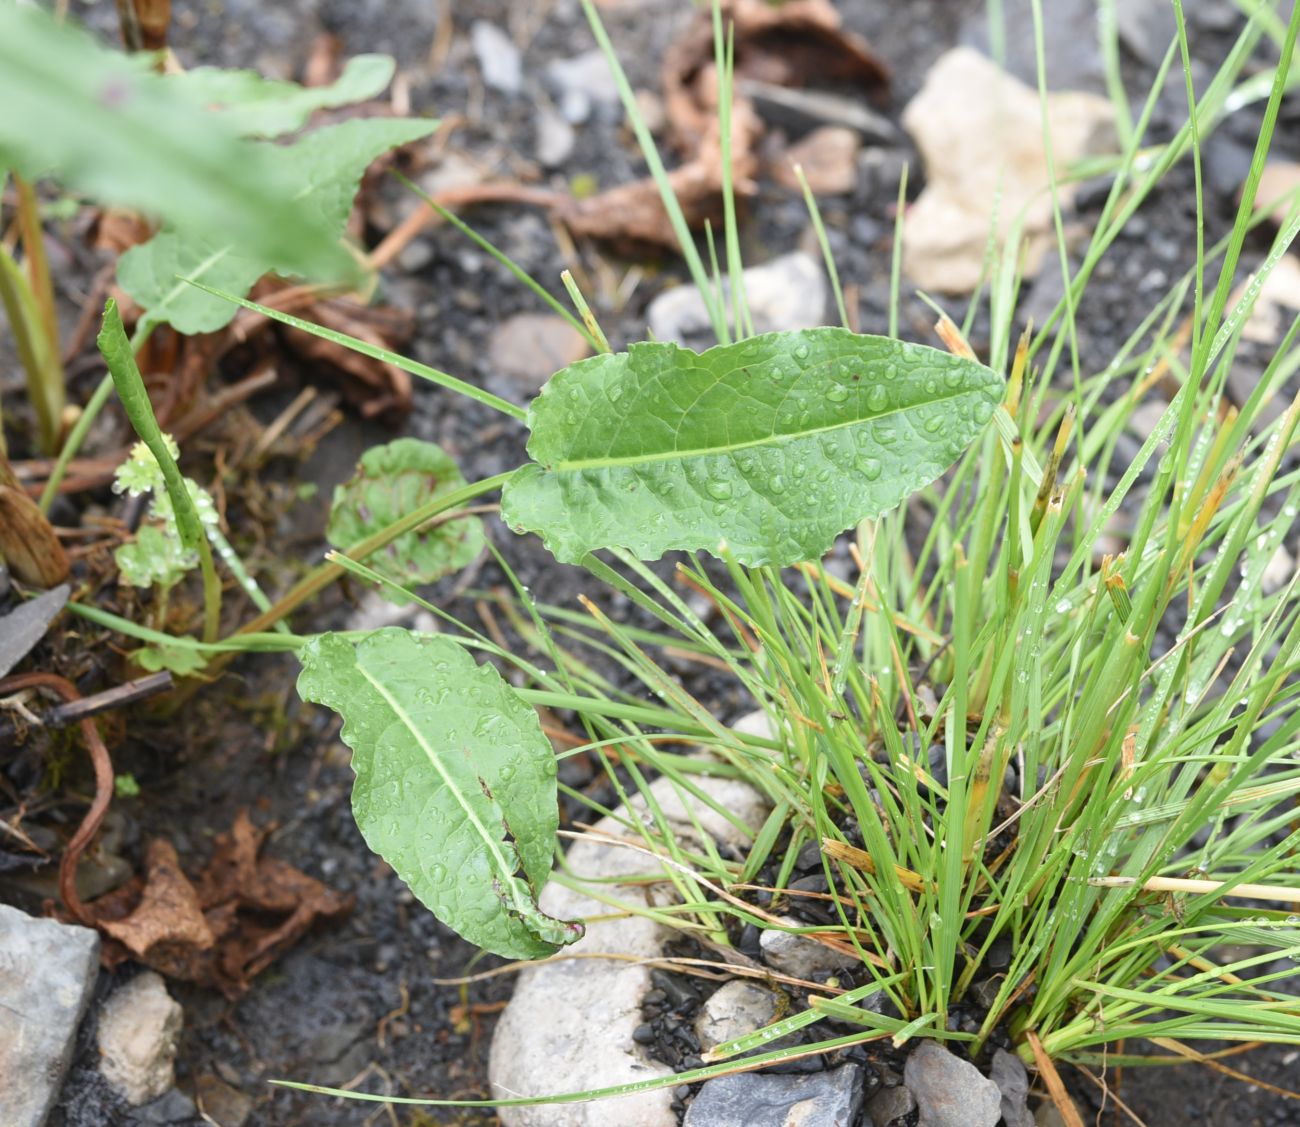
point(868, 467)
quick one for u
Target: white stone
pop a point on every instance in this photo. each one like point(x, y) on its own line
point(138, 1032)
point(583, 84)
point(373, 612)
point(569, 1025)
point(498, 57)
point(1278, 571)
point(1275, 306)
point(555, 138)
point(736, 1009)
point(980, 134)
point(787, 293)
point(47, 973)
point(799, 956)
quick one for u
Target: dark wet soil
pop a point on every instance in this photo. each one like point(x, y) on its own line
point(357, 1003)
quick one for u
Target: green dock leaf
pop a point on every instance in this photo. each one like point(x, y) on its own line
point(455, 781)
point(773, 445)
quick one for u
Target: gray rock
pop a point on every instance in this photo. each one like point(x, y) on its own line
point(498, 57)
point(801, 111)
point(817, 1099)
point(799, 956)
point(1146, 27)
point(569, 1024)
point(734, 1010)
point(949, 1091)
point(1008, 1072)
point(138, 1032)
point(787, 293)
point(584, 85)
point(555, 138)
point(890, 1105)
point(25, 625)
point(1070, 42)
point(47, 973)
point(172, 1107)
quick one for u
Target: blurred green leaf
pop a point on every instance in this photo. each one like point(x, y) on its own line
point(320, 174)
point(107, 127)
point(253, 106)
point(182, 661)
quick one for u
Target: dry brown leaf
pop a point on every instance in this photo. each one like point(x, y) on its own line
point(144, 23)
point(27, 540)
point(168, 923)
point(224, 928)
point(799, 43)
point(796, 44)
point(373, 387)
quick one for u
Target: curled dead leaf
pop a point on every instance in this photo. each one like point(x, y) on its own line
point(28, 543)
point(222, 929)
point(798, 43)
point(167, 926)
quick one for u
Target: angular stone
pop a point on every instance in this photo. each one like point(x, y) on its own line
point(799, 956)
point(498, 57)
point(828, 157)
point(980, 134)
point(1278, 571)
point(949, 1091)
point(1008, 1073)
point(570, 1024)
point(529, 348)
point(889, 1105)
point(138, 1032)
point(583, 85)
point(817, 1099)
point(555, 138)
point(47, 973)
point(735, 1009)
point(1277, 187)
point(788, 292)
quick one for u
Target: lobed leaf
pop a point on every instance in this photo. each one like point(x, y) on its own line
point(391, 481)
point(774, 445)
point(455, 782)
point(321, 173)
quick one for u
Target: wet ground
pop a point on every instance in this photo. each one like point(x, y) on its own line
point(356, 1003)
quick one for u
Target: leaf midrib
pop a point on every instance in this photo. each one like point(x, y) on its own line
point(766, 440)
point(493, 845)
